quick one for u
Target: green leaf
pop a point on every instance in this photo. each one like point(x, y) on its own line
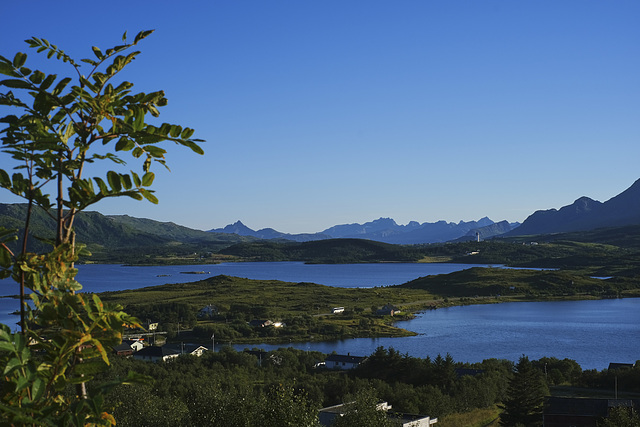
point(5, 180)
point(147, 194)
point(13, 364)
point(126, 181)
point(137, 152)
point(101, 185)
point(175, 131)
point(186, 133)
point(19, 59)
point(48, 81)
point(124, 144)
point(114, 180)
point(141, 35)
point(60, 86)
point(97, 52)
point(6, 68)
point(37, 389)
point(155, 151)
point(138, 124)
point(16, 84)
point(147, 179)
point(5, 257)
point(37, 77)
point(7, 346)
point(194, 147)
point(136, 179)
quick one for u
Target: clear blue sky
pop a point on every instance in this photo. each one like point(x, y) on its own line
point(319, 113)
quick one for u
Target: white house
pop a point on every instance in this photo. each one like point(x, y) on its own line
point(327, 416)
point(340, 361)
point(136, 345)
point(194, 349)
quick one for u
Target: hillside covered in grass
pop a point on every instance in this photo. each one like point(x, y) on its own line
point(120, 238)
point(527, 284)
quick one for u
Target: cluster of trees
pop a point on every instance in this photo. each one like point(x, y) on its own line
point(237, 388)
point(190, 388)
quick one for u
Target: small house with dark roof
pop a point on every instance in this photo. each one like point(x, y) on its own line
point(123, 349)
point(128, 347)
point(155, 353)
point(581, 412)
point(615, 366)
point(388, 310)
point(340, 361)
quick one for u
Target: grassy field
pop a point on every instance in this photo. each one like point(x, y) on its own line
point(287, 298)
point(485, 417)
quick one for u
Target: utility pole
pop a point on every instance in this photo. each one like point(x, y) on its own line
point(213, 342)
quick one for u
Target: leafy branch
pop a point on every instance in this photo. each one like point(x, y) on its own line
point(66, 337)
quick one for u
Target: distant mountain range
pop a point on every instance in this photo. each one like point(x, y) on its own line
point(585, 214)
point(133, 236)
point(386, 230)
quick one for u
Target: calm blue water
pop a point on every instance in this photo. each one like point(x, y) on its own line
point(593, 333)
point(111, 277)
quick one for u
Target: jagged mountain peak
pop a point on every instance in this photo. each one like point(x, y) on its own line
point(586, 214)
point(236, 228)
point(382, 229)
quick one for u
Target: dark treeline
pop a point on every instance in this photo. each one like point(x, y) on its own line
point(283, 387)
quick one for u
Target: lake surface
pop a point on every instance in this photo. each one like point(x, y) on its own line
point(111, 277)
point(594, 333)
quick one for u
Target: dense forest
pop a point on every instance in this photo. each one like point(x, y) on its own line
point(286, 386)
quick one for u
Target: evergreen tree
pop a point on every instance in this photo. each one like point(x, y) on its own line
point(525, 396)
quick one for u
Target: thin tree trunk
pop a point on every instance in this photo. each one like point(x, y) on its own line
point(24, 251)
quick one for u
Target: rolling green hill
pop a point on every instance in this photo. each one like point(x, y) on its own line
point(329, 251)
point(533, 284)
point(121, 238)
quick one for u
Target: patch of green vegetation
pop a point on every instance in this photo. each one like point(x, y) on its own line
point(332, 251)
point(480, 417)
point(530, 284)
point(305, 308)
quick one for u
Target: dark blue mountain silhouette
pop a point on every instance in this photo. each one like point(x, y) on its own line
point(586, 214)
